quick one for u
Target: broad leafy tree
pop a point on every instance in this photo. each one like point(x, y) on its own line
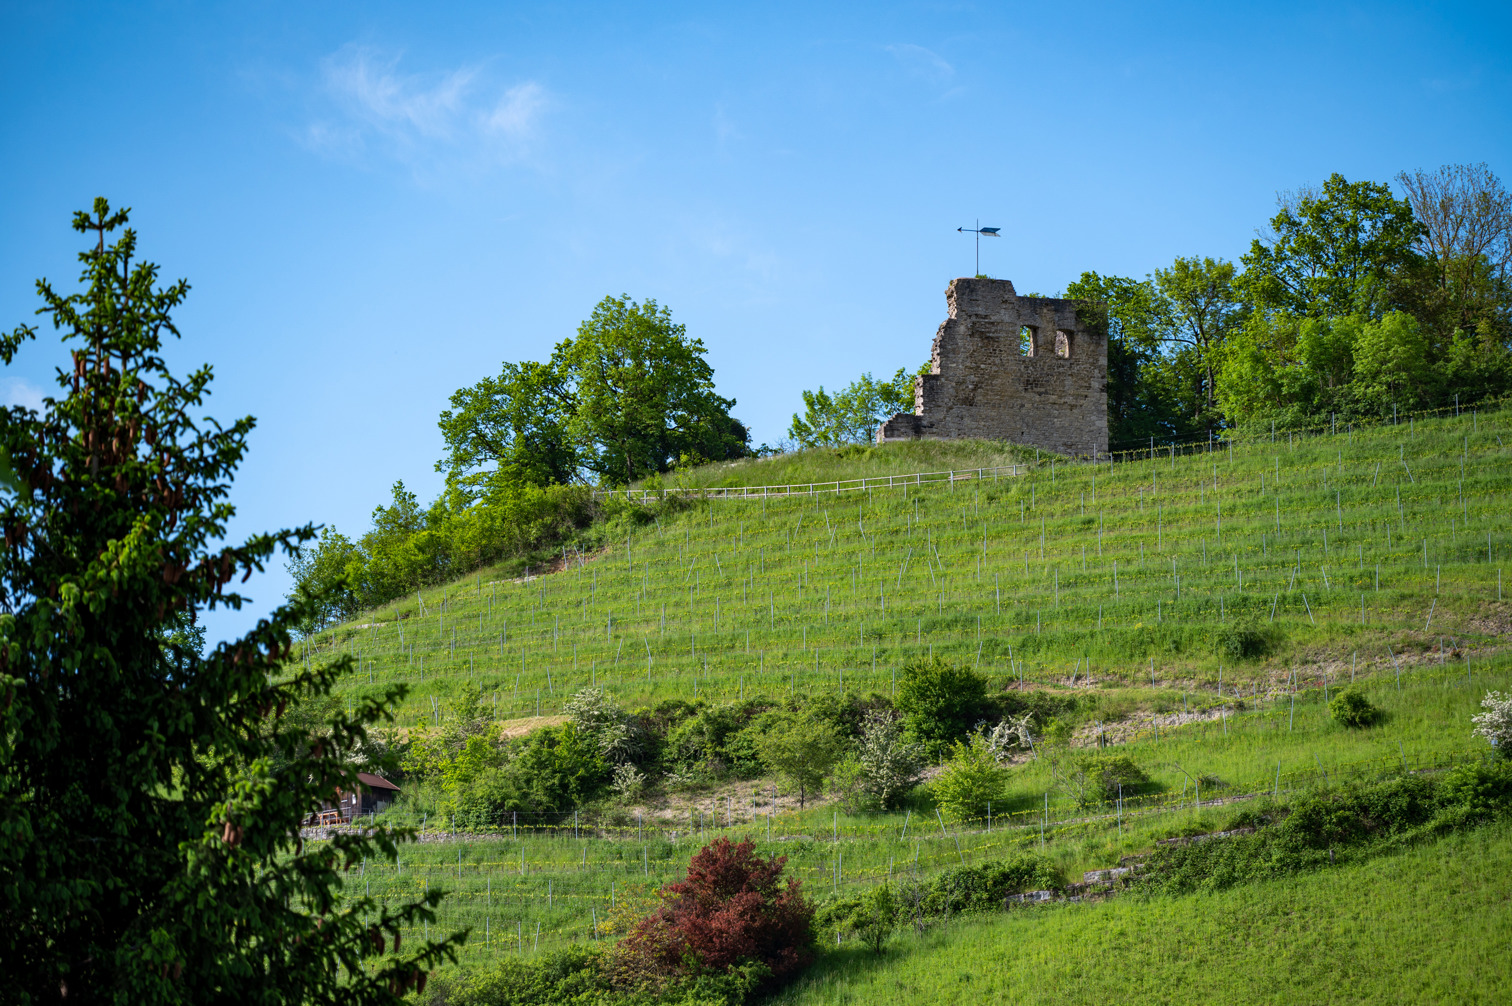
point(890, 763)
point(1154, 393)
point(512, 428)
point(645, 397)
point(150, 795)
point(320, 569)
point(1344, 248)
point(630, 396)
point(1203, 309)
point(802, 750)
point(852, 414)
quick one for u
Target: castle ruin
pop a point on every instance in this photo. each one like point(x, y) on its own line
point(1005, 367)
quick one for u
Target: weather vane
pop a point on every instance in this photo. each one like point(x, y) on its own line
point(980, 233)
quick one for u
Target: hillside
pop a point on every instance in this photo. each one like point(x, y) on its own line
point(1426, 925)
point(1126, 592)
point(1321, 552)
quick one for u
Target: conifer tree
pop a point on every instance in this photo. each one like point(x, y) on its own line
point(151, 794)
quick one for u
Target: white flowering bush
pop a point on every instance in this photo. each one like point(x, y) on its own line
point(629, 782)
point(1495, 724)
point(615, 733)
point(1010, 734)
point(889, 763)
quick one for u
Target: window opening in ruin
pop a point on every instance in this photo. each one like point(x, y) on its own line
point(1063, 344)
point(1026, 340)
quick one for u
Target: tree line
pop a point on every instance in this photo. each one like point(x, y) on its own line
point(631, 395)
point(1354, 303)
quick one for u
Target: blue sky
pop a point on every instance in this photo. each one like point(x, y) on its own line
point(378, 203)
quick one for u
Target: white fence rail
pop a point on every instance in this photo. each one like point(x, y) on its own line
point(819, 488)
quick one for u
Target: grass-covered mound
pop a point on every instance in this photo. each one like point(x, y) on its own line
point(856, 461)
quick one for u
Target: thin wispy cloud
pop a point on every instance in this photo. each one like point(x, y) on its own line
point(725, 130)
point(461, 115)
point(922, 62)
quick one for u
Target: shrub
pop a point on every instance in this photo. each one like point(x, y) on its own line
point(972, 779)
point(983, 888)
point(873, 917)
point(1478, 789)
point(1111, 775)
point(1360, 813)
point(1092, 779)
point(845, 783)
point(845, 712)
point(939, 701)
point(1241, 641)
point(1039, 705)
point(1355, 819)
point(742, 750)
point(558, 769)
point(1495, 724)
point(714, 741)
point(1351, 709)
point(1012, 732)
point(890, 763)
point(731, 910)
point(617, 736)
point(583, 976)
point(628, 783)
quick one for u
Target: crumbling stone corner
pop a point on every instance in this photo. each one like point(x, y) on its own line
point(1005, 367)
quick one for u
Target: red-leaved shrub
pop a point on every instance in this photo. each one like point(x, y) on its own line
point(731, 909)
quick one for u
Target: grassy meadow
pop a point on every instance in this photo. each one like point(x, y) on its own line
point(1426, 925)
point(1200, 607)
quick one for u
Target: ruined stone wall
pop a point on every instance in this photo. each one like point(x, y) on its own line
point(1052, 393)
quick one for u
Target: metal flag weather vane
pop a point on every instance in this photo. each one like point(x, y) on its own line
point(980, 232)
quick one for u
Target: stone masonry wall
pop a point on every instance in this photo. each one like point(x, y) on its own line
point(1051, 394)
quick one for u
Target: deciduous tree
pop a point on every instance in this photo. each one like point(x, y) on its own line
point(1465, 237)
point(802, 751)
point(1154, 392)
point(512, 428)
point(1203, 309)
point(644, 394)
point(1343, 248)
point(890, 763)
point(851, 415)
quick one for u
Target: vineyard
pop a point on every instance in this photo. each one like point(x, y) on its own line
point(1205, 603)
point(1426, 925)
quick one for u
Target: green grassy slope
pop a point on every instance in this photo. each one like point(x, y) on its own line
point(1110, 582)
point(856, 462)
point(1332, 546)
point(566, 881)
point(1429, 925)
